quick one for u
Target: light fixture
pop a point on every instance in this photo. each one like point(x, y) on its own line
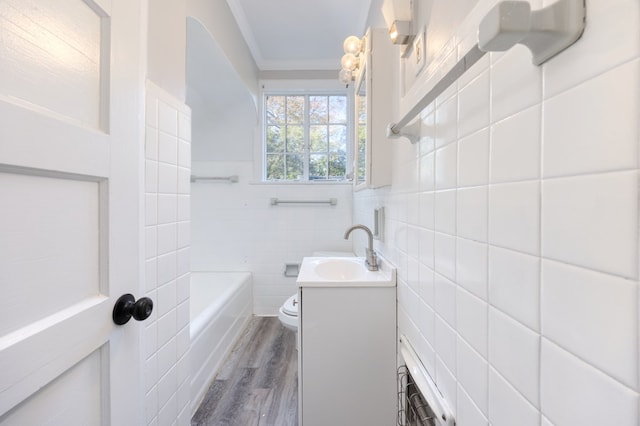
point(350, 62)
point(397, 15)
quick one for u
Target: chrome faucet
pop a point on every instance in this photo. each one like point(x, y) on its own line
point(372, 258)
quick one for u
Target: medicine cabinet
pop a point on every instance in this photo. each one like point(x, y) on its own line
point(373, 111)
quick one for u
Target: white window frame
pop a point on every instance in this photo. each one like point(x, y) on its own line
point(306, 88)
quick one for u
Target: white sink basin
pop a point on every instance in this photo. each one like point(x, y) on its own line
point(344, 271)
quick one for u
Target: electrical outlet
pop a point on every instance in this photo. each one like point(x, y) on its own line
point(419, 51)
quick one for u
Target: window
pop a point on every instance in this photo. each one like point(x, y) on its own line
point(306, 137)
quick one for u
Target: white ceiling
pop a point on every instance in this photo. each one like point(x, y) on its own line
point(299, 34)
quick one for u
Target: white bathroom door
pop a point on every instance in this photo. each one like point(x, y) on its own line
point(71, 105)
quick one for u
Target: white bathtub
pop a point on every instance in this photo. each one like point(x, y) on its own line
point(221, 307)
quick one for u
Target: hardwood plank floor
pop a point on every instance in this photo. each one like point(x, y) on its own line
point(258, 382)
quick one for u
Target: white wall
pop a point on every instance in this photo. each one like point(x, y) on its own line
point(514, 226)
point(234, 228)
point(167, 233)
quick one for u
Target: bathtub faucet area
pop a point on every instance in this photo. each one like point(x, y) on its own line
point(372, 258)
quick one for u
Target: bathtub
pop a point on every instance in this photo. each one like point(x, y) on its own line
point(221, 307)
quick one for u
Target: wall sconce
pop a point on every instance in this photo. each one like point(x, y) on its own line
point(350, 62)
point(397, 15)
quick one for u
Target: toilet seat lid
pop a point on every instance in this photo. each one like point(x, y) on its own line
point(290, 307)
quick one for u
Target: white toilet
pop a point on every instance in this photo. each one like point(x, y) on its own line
point(288, 313)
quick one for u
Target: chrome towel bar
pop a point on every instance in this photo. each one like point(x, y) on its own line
point(331, 201)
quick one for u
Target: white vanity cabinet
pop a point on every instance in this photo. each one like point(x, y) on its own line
point(347, 355)
point(373, 92)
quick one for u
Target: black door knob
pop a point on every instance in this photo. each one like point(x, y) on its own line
point(127, 307)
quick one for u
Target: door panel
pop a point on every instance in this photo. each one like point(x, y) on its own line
point(74, 398)
point(70, 209)
point(52, 56)
point(51, 246)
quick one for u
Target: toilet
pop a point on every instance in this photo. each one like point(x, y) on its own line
point(288, 312)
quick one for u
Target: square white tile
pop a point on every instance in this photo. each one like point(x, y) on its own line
point(473, 105)
point(516, 83)
point(515, 147)
point(593, 315)
point(445, 299)
point(472, 213)
point(576, 127)
point(426, 247)
point(514, 216)
point(569, 386)
point(471, 266)
point(592, 221)
point(445, 255)
point(472, 320)
point(473, 376)
point(473, 159)
point(446, 121)
point(514, 285)
point(446, 166)
point(427, 172)
point(514, 351)
point(427, 285)
point(507, 407)
point(468, 411)
point(445, 211)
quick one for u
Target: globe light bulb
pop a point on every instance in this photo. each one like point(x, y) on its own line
point(349, 61)
point(351, 45)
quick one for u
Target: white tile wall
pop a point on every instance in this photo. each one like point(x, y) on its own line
point(526, 310)
point(235, 228)
point(166, 334)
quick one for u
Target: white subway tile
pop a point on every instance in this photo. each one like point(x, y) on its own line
point(184, 126)
point(446, 383)
point(445, 211)
point(445, 299)
point(473, 159)
point(150, 340)
point(183, 340)
point(427, 285)
point(591, 221)
point(446, 121)
point(183, 288)
point(602, 46)
point(426, 322)
point(166, 298)
point(184, 234)
point(427, 215)
point(150, 209)
point(168, 411)
point(445, 255)
point(151, 110)
point(472, 212)
point(426, 247)
point(150, 373)
point(167, 238)
point(184, 207)
point(151, 406)
point(151, 176)
point(514, 285)
point(514, 351)
point(446, 167)
point(514, 216)
point(151, 144)
point(471, 266)
point(473, 105)
point(413, 209)
point(570, 387)
point(583, 136)
point(150, 241)
point(167, 178)
point(167, 149)
point(166, 331)
point(167, 119)
point(506, 406)
point(427, 130)
point(516, 83)
point(184, 181)
point(427, 172)
point(515, 147)
point(594, 316)
point(472, 320)
point(468, 412)
point(151, 274)
point(167, 268)
point(184, 154)
point(473, 376)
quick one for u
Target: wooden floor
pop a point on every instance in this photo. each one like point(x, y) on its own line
point(258, 383)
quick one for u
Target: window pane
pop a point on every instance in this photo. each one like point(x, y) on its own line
point(337, 166)
point(318, 166)
point(295, 139)
point(318, 138)
point(294, 168)
point(295, 109)
point(337, 109)
point(318, 109)
point(275, 167)
point(362, 109)
point(275, 139)
point(275, 109)
point(338, 138)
